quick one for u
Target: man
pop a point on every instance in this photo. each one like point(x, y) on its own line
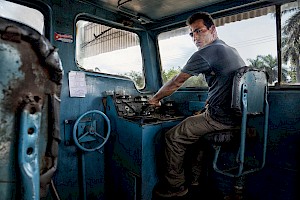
point(218, 62)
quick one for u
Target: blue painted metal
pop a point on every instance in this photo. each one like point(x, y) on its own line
point(243, 128)
point(10, 62)
point(250, 92)
point(283, 140)
point(266, 128)
point(10, 56)
point(78, 139)
point(195, 106)
point(83, 177)
point(28, 154)
point(134, 155)
point(30, 69)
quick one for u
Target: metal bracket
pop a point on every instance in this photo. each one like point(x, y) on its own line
point(28, 154)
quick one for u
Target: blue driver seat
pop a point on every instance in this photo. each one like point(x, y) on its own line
point(249, 98)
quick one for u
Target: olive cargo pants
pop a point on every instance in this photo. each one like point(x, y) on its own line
point(178, 138)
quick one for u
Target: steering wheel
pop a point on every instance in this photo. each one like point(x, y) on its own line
point(85, 134)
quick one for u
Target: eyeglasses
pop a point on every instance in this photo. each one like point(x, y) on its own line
point(198, 31)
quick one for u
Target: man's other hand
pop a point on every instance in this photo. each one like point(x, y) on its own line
point(154, 102)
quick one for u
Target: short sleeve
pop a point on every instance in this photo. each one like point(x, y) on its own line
point(196, 65)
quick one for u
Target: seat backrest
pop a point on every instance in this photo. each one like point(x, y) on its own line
point(249, 97)
point(30, 83)
point(252, 83)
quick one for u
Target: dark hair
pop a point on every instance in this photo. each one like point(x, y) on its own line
point(207, 19)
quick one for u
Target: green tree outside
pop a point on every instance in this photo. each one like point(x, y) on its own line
point(291, 45)
point(270, 65)
point(137, 78)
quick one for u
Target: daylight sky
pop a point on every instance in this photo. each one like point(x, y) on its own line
point(256, 36)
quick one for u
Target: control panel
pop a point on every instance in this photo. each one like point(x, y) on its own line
point(137, 108)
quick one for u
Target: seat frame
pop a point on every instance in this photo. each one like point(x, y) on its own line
point(249, 97)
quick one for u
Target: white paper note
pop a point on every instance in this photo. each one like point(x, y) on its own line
point(77, 84)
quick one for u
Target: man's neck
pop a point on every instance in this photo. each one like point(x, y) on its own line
point(209, 43)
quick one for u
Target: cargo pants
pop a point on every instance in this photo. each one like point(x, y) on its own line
point(181, 136)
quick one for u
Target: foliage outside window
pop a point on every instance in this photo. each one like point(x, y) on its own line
point(108, 50)
point(290, 42)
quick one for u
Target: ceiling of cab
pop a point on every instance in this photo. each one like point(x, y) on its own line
point(157, 11)
point(161, 8)
point(153, 9)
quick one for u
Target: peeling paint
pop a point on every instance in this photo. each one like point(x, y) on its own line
point(31, 74)
point(10, 63)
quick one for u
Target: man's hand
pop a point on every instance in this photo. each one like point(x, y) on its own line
point(154, 102)
point(168, 88)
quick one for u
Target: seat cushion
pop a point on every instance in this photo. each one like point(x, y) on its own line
point(223, 136)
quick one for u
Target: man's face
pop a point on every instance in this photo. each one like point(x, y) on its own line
point(201, 35)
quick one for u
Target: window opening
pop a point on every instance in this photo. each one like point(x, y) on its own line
point(109, 50)
point(253, 34)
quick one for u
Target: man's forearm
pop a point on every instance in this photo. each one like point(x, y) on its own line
point(166, 90)
point(170, 87)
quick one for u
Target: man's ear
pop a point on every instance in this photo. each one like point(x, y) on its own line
point(213, 30)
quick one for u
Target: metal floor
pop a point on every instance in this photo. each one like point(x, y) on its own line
point(204, 191)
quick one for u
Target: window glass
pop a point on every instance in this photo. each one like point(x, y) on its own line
point(108, 50)
point(290, 43)
point(253, 34)
point(29, 16)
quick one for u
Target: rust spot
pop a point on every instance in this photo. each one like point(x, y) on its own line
point(33, 72)
point(32, 88)
point(28, 102)
point(40, 69)
point(12, 33)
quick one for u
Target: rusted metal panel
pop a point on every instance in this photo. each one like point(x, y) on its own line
point(30, 82)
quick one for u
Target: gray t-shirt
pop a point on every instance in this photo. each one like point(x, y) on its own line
point(218, 62)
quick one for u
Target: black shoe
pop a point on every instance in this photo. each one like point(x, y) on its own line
point(171, 192)
point(195, 183)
